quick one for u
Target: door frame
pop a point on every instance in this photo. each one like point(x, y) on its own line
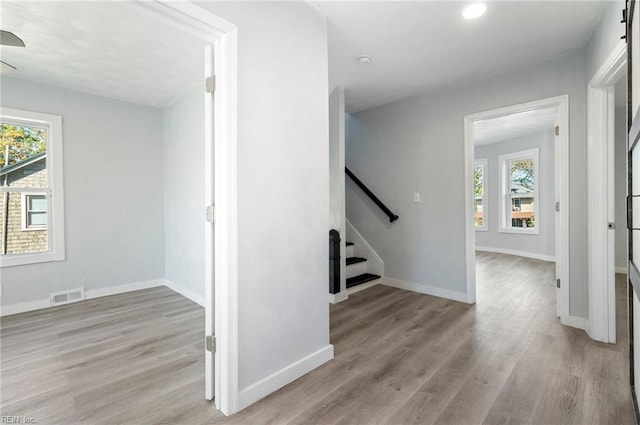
point(561, 153)
point(221, 186)
point(601, 322)
point(633, 136)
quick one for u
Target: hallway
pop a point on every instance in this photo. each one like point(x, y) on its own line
point(403, 357)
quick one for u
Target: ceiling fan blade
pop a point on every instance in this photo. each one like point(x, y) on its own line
point(5, 67)
point(10, 39)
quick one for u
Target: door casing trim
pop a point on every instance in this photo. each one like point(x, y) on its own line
point(561, 195)
point(601, 319)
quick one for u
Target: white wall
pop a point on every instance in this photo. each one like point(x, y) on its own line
point(184, 202)
point(283, 171)
point(416, 145)
point(337, 214)
point(605, 36)
point(542, 244)
point(113, 193)
point(621, 188)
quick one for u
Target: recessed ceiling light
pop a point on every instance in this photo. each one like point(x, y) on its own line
point(474, 10)
point(364, 59)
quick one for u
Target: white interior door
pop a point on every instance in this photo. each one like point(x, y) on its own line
point(209, 223)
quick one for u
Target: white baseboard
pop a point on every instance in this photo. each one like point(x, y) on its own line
point(517, 253)
point(7, 310)
point(426, 289)
point(284, 376)
point(186, 292)
point(339, 297)
point(621, 269)
point(574, 321)
point(121, 289)
point(17, 308)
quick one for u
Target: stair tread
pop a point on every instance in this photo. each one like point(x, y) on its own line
point(349, 243)
point(360, 279)
point(355, 260)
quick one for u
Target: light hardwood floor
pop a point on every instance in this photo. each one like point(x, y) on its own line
point(401, 358)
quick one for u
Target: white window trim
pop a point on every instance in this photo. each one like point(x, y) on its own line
point(505, 207)
point(485, 195)
point(55, 190)
point(24, 213)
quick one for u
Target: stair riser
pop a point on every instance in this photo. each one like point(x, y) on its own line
point(349, 251)
point(356, 269)
point(363, 286)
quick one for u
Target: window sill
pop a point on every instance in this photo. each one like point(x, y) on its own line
point(24, 259)
point(517, 231)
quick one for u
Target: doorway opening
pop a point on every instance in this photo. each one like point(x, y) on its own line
point(620, 243)
point(516, 163)
point(219, 209)
point(134, 99)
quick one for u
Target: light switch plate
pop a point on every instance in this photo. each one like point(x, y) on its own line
point(416, 197)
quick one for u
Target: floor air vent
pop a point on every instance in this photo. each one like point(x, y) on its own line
point(67, 297)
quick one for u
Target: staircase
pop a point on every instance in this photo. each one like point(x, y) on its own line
point(358, 277)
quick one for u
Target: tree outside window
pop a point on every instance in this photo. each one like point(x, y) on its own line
point(480, 196)
point(519, 174)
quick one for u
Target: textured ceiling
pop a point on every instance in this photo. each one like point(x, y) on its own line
point(111, 49)
point(495, 130)
point(424, 45)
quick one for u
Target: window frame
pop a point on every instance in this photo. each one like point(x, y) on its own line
point(24, 203)
point(505, 161)
point(54, 191)
point(484, 162)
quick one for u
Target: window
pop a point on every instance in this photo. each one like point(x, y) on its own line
point(31, 192)
point(34, 212)
point(519, 176)
point(480, 192)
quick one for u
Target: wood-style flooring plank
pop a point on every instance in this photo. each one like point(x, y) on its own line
point(401, 358)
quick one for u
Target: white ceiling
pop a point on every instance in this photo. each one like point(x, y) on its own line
point(420, 46)
point(495, 130)
point(111, 49)
point(117, 50)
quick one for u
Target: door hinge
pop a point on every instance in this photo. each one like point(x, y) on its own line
point(211, 213)
point(558, 283)
point(210, 84)
point(557, 130)
point(210, 343)
point(557, 206)
point(629, 212)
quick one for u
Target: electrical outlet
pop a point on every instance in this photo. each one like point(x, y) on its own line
point(416, 197)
